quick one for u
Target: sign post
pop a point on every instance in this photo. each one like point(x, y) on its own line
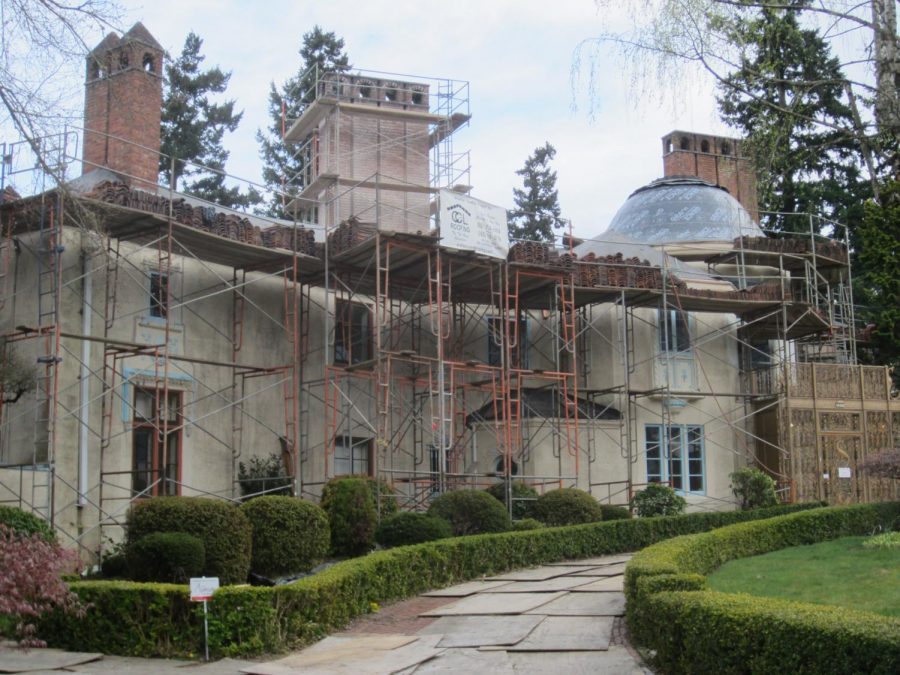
point(202, 589)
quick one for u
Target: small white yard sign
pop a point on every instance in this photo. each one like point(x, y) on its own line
point(202, 588)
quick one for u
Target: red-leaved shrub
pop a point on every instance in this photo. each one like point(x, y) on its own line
point(31, 582)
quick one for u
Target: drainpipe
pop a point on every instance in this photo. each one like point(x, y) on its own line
point(87, 289)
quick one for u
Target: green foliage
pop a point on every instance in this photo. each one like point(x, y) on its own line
point(115, 566)
point(523, 498)
point(351, 515)
point(470, 512)
point(405, 528)
point(884, 540)
point(193, 127)
point(611, 512)
point(787, 98)
point(166, 557)
point(658, 500)
point(877, 280)
point(263, 475)
point(701, 631)
point(567, 506)
point(753, 488)
point(225, 531)
point(25, 523)
point(290, 535)
point(537, 212)
point(527, 524)
point(320, 52)
point(383, 497)
point(157, 620)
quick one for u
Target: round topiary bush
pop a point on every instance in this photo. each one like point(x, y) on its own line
point(527, 524)
point(470, 512)
point(168, 557)
point(350, 507)
point(611, 512)
point(225, 531)
point(753, 488)
point(411, 528)
point(658, 500)
point(290, 535)
point(567, 506)
point(523, 498)
point(383, 493)
point(25, 523)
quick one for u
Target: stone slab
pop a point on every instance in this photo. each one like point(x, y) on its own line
point(462, 590)
point(15, 660)
point(607, 584)
point(481, 631)
point(539, 573)
point(546, 586)
point(473, 661)
point(360, 655)
point(601, 571)
point(601, 560)
point(568, 633)
point(583, 604)
point(615, 661)
point(494, 604)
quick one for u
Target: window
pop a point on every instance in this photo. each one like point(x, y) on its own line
point(675, 455)
point(519, 352)
point(352, 333)
point(704, 146)
point(159, 294)
point(352, 456)
point(156, 466)
point(674, 331)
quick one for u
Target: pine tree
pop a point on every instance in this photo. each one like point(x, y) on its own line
point(193, 127)
point(537, 212)
point(787, 97)
point(320, 52)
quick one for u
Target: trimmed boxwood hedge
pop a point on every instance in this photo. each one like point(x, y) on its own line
point(25, 523)
point(157, 620)
point(694, 630)
point(220, 525)
point(290, 535)
point(169, 557)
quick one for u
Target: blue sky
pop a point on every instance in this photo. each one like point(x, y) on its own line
point(516, 54)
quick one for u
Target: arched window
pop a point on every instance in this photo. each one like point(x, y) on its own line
point(685, 143)
point(704, 146)
point(123, 60)
point(726, 149)
point(149, 63)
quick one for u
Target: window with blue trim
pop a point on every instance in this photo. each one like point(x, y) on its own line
point(675, 455)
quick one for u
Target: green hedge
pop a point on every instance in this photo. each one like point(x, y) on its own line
point(694, 630)
point(26, 523)
point(290, 535)
point(169, 557)
point(155, 620)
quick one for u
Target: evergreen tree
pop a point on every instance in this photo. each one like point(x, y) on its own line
point(537, 212)
point(787, 97)
point(193, 127)
point(320, 52)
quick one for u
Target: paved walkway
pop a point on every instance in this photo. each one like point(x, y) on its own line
point(565, 617)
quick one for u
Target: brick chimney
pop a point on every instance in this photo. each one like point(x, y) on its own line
point(716, 159)
point(123, 105)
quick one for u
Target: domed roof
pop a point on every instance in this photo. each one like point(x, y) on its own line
point(682, 208)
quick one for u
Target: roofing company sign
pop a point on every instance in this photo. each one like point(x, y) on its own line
point(470, 224)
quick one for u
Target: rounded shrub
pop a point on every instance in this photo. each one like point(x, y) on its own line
point(611, 512)
point(411, 528)
point(527, 524)
point(753, 488)
point(383, 493)
point(352, 518)
point(471, 512)
point(658, 500)
point(168, 557)
point(567, 506)
point(115, 566)
point(523, 498)
point(290, 535)
point(221, 526)
point(25, 523)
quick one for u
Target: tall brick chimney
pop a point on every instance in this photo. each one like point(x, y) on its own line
point(716, 159)
point(123, 105)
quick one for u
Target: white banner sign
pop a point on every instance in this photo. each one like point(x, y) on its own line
point(470, 224)
point(202, 588)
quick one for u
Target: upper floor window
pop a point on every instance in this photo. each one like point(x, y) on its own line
point(352, 333)
point(159, 294)
point(674, 331)
point(518, 337)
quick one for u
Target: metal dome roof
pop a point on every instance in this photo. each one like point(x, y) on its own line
point(682, 208)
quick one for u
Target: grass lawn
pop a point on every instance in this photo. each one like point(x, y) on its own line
point(839, 572)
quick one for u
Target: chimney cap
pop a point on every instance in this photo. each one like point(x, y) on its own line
point(138, 32)
point(111, 41)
